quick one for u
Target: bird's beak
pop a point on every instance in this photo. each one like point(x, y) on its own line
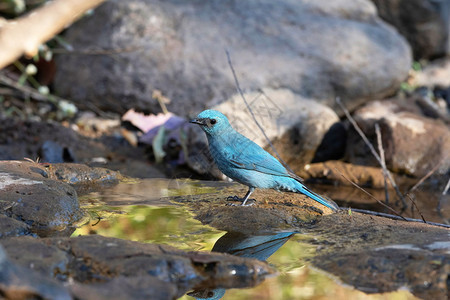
point(197, 121)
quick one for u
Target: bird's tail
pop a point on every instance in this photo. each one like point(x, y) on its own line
point(328, 203)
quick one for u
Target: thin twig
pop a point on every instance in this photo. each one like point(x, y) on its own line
point(418, 210)
point(370, 195)
point(385, 171)
point(98, 51)
point(380, 214)
point(447, 187)
point(29, 91)
point(431, 172)
point(383, 161)
point(238, 87)
point(372, 149)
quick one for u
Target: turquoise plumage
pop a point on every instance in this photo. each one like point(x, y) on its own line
point(244, 161)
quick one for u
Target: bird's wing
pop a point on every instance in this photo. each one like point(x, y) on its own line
point(257, 159)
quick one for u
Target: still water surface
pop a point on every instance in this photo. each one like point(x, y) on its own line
point(139, 211)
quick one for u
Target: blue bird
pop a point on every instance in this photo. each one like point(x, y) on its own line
point(244, 161)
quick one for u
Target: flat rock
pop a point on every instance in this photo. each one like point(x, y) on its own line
point(313, 48)
point(272, 210)
point(82, 177)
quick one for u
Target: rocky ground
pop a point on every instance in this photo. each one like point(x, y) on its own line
point(39, 259)
point(292, 60)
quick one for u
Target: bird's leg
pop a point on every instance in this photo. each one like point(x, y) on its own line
point(243, 200)
point(250, 191)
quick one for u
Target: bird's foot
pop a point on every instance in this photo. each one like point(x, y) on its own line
point(249, 202)
point(234, 198)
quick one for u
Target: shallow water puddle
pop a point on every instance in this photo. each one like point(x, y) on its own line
point(141, 211)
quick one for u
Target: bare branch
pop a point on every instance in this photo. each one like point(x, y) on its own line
point(372, 149)
point(370, 195)
point(28, 91)
point(431, 172)
point(380, 214)
point(24, 34)
point(383, 161)
point(447, 187)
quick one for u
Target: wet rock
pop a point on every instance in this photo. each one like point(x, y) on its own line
point(373, 254)
point(272, 210)
point(125, 288)
point(82, 177)
point(422, 22)
point(302, 46)
point(43, 204)
point(108, 257)
point(413, 144)
point(103, 267)
point(378, 255)
point(35, 254)
point(19, 283)
point(12, 227)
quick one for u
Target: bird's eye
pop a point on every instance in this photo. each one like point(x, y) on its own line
point(213, 121)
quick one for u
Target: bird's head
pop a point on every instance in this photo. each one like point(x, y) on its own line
point(212, 122)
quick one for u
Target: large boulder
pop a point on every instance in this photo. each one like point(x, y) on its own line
point(317, 49)
point(421, 22)
point(413, 144)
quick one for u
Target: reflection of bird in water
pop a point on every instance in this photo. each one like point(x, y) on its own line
point(206, 294)
point(258, 246)
point(244, 161)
